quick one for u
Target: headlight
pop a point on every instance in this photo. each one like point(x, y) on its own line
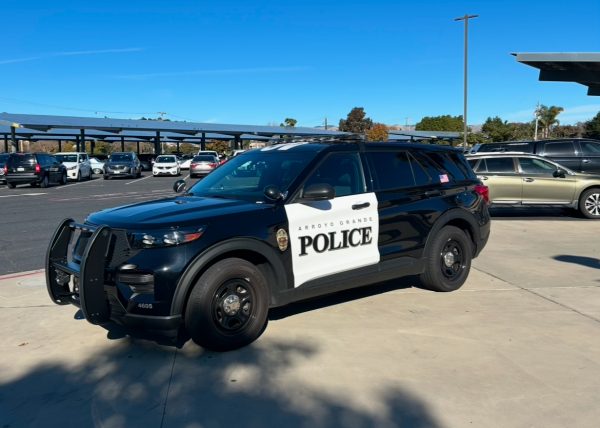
point(166, 238)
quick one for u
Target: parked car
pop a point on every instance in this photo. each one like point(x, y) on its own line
point(185, 161)
point(146, 160)
point(97, 165)
point(269, 228)
point(35, 169)
point(525, 179)
point(166, 165)
point(208, 152)
point(202, 165)
point(122, 164)
point(3, 158)
point(577, 154)
point(77, 164)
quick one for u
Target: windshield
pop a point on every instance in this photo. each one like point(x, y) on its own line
point(204, 158)
point(246, 176)
point(120, 157)
point(166, 159)
point(66, 158)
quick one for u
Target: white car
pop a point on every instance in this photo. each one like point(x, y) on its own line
point(97, 165)
point(185, 163)
point(208, 152)
point(166, 165)
point(77, 164)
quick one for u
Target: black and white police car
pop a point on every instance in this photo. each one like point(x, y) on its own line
point(270, 227)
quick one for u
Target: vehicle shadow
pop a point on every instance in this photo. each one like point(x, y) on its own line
point(534, 213)
point(579, 260)
point(135, 383)
point(343, 297)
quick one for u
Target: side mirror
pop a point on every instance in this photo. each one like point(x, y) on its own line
point(559, 173)
point(179, 186)
point(273, 193)
point(319, 192)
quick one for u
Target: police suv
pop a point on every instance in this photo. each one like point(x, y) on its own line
point(273, 226)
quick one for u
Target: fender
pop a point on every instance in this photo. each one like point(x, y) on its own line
point(203, 260)
point(455, 214)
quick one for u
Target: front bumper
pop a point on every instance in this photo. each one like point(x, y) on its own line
point(92, 284)
point(166, 171)
point(72, 174)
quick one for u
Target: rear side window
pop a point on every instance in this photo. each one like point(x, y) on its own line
point(525, 147)
point(391, 169)
point(559, 149)
point(449, 164)
point(498, 165)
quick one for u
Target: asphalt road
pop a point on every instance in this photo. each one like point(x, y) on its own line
point(30, 215)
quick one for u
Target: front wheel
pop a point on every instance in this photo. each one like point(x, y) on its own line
point(11, 185)
point(589, 203)
point(44, 183)
point(447, 260)
point(63, 179)
point(228, 306)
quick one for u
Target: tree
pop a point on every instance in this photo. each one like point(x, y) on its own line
point(592, 127)
point(356, 122)
point(289, 122)
point(440, 123)
point(522, 131)
point(547, 118)
point(218, 146)
point(378, 132)
point(568, 131)
point(496, 129)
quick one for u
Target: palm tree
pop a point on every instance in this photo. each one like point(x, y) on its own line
point(547, 117)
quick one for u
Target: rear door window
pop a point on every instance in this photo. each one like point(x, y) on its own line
point(565, 148)
point(391, 169)
point(496, 165)
point(19, 159)
point(448, 164)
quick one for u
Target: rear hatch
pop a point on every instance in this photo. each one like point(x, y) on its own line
point(21, 163)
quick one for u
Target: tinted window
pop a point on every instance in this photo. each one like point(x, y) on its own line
point(204, 158)
point(343, 171)
point(536, 166)
point(66, 158)
point(496, 165)
point(121, 157)
point(526, 147)
point(21, 159)
point(447, 163)
point(588, 148)
point(391, 170)
point(559, 149)
point(421, 176)
point(166, 159)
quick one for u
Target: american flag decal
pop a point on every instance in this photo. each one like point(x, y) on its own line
point(444, 178)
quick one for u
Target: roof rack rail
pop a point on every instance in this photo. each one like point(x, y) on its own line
point(345, 138)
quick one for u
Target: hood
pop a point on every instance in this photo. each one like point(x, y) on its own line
point(179, 211)
point(69, 164)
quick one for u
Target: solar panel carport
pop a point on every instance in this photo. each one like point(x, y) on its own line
point(43, 126)
point(582, 68)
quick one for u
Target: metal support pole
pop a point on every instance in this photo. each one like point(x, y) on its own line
point(465, 127)
point(59, 146)
point(82, 141)
point(138, 146)
point(92, 146)
point(5, 143)
point(13, 135)
point(203, 141)
point(157, 146)
point(237, 142)
point(122, 143)
point(178, 147)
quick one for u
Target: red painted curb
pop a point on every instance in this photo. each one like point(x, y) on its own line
point(20, 275)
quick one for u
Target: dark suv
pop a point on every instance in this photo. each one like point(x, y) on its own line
point(270, 227)
point(122, 164)
point(577, 154)
point(35, 169)
point(3, 158)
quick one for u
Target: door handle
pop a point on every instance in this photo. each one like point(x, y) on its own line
point(484, 177)
point(361, 206)
point(586, 161)
point(528, 180)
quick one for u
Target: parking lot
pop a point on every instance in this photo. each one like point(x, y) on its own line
point(516, 346)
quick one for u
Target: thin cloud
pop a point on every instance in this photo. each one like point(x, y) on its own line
point(71, 53)
point(221, 71)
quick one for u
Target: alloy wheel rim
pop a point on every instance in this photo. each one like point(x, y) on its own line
point(452, 260)
point(592, 204)
point(233, 305)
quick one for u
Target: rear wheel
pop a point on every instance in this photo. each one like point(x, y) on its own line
point(106, 177)
point(448, 260)
point(63, 178)
point(11, 185)
point(44, 182)
point(589, 203)
point(228, 306)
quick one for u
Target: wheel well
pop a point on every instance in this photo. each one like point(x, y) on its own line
point(466, 227)
point(257, 259)
point(594, 186)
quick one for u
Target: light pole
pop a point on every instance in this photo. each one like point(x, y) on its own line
point(466, 19)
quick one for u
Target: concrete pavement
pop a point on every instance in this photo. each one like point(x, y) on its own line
point(517, 346)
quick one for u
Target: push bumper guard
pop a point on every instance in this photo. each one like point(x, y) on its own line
point(88, 289)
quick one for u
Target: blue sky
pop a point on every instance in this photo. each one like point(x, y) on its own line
point(254, 62)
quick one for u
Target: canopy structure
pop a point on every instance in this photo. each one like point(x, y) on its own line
point(80, 129)
point(582, 68)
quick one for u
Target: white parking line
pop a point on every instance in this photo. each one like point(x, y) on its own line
point(137, 180)
point(23, 194)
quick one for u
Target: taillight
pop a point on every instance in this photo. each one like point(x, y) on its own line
point(5, 170)
point(193, 165)
point(484, 191)
point(38, 169)
point(213, 165)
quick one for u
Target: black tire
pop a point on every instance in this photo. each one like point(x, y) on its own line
point(589, 203)
point(11, 185)
point(89, 177)
point(139, 174)
point(206, 319)
point(63, 178)
point(78, 179)
point(106, 177)
point(447, 260)
point(44, 183)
